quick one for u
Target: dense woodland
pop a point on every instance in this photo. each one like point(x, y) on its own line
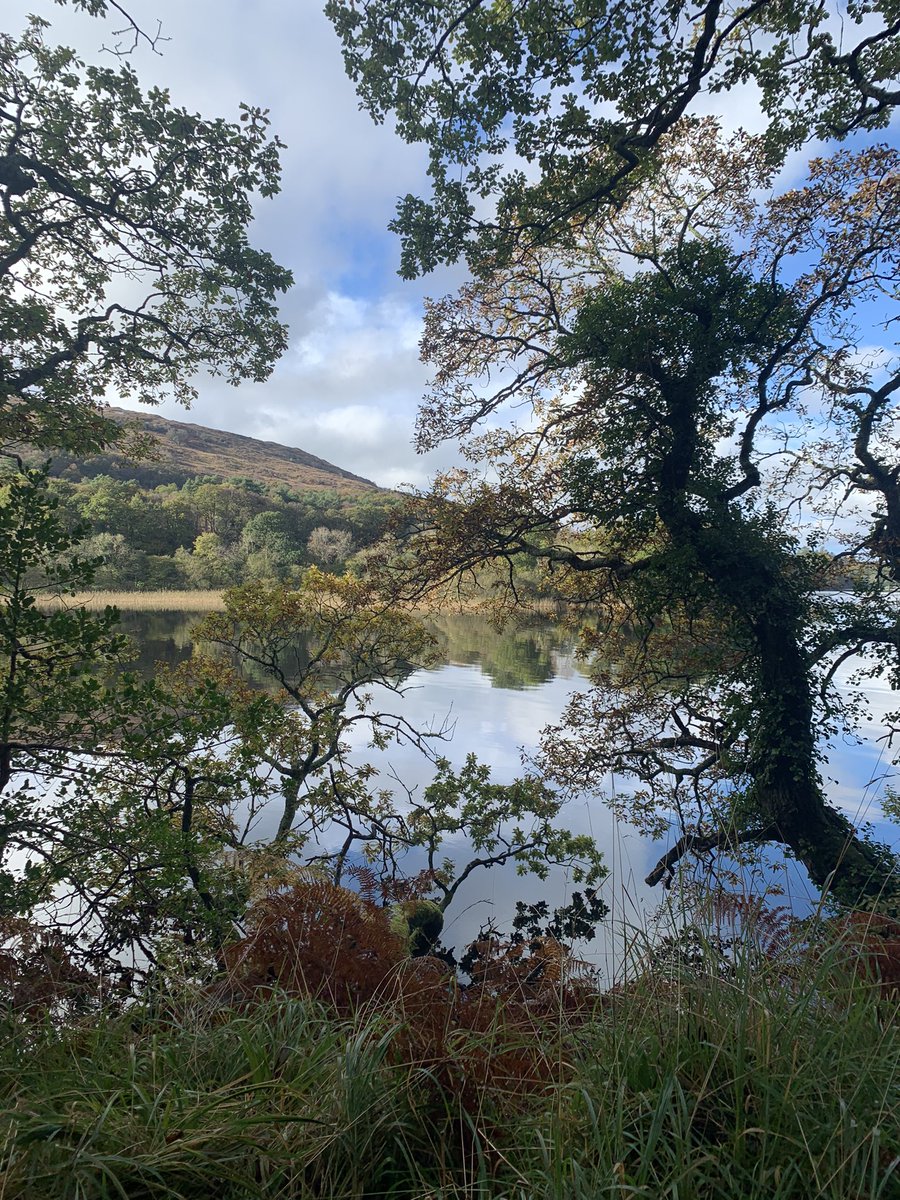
point(213, 533)
point(671, 375)
point(176, 506)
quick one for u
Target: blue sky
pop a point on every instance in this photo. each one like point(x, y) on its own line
point(350, 383)
point(348, 387)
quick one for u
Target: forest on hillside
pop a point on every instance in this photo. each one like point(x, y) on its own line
point(213, 533)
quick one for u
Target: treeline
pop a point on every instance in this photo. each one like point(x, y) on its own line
point(208, 532)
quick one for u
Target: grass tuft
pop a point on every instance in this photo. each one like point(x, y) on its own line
point(744, 1075)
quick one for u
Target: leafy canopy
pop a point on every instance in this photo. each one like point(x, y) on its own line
point(679, 336)
point(125, 262)
point(537, 113)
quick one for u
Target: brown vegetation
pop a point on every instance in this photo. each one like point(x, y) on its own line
point(156, 601)
point(181, 450)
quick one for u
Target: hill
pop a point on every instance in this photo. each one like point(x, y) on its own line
point(183, 450)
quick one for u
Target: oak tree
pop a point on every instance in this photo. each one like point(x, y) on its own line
point(683, 337)
point(125, 263)
point(538, 113)
point(125, 266)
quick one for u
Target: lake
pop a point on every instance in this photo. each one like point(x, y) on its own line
point(499, 689)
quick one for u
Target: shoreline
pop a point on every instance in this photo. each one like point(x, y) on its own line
point(172, 600)
point(160, 601)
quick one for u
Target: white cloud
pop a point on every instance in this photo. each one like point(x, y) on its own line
point(346, 390)
point(349, 385)
point(873, 358)
point(342, 173)
point(356, 422)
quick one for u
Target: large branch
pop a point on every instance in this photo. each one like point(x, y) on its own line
point(697, 843)
point(868, 89)
point(858, 635)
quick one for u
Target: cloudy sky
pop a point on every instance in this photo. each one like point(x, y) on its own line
point(348, 387)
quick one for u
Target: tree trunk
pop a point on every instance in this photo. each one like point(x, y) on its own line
point(786, 792)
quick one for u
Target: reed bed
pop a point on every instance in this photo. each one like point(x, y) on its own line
point(211, 600)
point(161, 601)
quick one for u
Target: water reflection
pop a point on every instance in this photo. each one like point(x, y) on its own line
point(512, 659)
point(159, 637)
point(496, 723)
point(500, 689)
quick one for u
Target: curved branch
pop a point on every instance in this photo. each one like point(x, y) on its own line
point(697, 843)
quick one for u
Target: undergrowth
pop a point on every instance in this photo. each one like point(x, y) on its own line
point(761, 1065)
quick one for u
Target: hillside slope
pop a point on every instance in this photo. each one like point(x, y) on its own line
point(182, 450)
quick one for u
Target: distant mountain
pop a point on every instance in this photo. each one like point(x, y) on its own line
point(182, 450)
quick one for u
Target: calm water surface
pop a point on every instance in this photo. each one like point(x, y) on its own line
point(499, 690)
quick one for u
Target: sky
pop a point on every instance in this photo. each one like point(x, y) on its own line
point(348, 387)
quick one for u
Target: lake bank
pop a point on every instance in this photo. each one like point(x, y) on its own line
point(200, 600)
point(709, 1075)
point(161, 601)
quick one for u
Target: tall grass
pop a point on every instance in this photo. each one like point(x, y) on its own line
point(160, 601)
point(209, 600)
point(735, 1085)
point(744, 1077)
